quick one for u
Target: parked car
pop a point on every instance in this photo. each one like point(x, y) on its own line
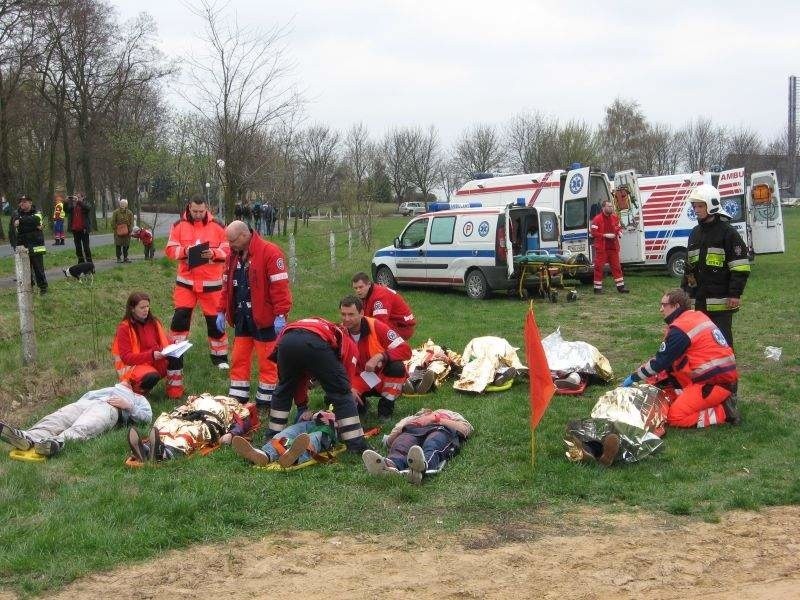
point(409, 209)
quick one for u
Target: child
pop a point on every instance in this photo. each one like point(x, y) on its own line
point(146, 237)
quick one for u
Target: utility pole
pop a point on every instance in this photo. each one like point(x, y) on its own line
point(792, 146)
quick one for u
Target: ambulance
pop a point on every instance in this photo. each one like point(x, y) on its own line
point(657, 218)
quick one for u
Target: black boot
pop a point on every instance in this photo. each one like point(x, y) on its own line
point(623, 290)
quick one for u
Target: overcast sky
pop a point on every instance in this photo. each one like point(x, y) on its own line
point(455, 63)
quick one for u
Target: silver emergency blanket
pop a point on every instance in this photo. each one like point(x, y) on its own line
point(633, 413)
point(483, 358)
point(565, 357)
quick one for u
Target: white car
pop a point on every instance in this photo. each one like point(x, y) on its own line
point(408, 209)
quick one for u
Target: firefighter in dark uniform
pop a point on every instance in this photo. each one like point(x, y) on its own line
point(26, 230)
point(717, 264)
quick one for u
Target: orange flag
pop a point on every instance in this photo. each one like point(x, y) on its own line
point(542, 387)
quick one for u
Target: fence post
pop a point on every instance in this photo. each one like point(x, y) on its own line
point(292, 260)
point(22, 269)
point(332, 245)
point(349, 244)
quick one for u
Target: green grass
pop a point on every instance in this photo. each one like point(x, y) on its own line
point(83, 512)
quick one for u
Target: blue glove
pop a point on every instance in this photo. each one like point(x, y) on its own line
point(279, 323)
point(629, 381)
point(221, 322)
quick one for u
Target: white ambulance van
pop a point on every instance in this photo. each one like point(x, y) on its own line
point(469, 247)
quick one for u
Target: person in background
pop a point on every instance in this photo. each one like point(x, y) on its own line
point(384, 304)
point(58, 219)
point(26, 230)
point(137, 347)
point(122, 225)
point(145, 235)
point(717, 265)
point(255, 300)
point(605, 231)
point(79, 222)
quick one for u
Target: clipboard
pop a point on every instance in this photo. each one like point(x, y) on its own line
point(193, 255)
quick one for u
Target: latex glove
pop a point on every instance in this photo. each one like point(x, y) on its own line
point(609, 236)
point(628, 381)
point(220, 322)
point(279, 323)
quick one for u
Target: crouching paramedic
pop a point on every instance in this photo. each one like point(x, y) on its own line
point(696, 363)
point(200, 283)
point(320, 349)
point(381, 352)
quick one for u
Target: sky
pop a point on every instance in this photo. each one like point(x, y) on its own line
point(454, 64)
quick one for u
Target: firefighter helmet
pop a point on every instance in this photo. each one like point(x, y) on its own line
point(708, 195)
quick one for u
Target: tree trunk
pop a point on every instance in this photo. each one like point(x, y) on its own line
point(69, 181)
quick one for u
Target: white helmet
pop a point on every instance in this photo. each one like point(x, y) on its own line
point(708, 195)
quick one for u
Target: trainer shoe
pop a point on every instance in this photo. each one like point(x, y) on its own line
point(610, 449)
point(244, 449)
point(428, 379)
point(156, 447)
point(15, 437)
point(732, 414)
point(299, 445)
point(408, 387)
point(505, 376)
point(49, 447)
point(223, 366)
point(377, 464)
point(416, 465)
point(138, 451)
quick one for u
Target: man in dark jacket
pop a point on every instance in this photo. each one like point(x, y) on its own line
point(717, 265)
point(26, 230)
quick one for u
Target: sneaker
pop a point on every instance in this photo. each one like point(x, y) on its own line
point(505, 376)
point(623, 290)
point(416, 465)
point(244, 449)
point(156, 447)
point(223, 366)
point(138, 450)
point(386, 407)
point(570, 382)
point(428, 379)
point(610, 449)
point(15, 437)
point(408, 387)
point(49, 447)
point(299, 445)
point(376, 464)
point(732, 414)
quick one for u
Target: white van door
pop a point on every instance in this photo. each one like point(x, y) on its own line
point(766, 219)
point(628, 203)
point(412, 253)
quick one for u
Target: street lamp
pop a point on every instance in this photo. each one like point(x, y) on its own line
point(208, 187)
point(221, 193)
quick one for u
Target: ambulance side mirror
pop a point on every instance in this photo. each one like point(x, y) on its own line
point(396, 242)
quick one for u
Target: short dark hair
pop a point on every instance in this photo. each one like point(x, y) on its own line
point(197, 199)
point(360, 276)
point(352, 301)
point(678, 297)
point(24, 198)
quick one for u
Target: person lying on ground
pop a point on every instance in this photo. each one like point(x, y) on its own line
point(92, 415)
point(296, 444)
point(420, 443)
point(204, 420)
point(428, 367)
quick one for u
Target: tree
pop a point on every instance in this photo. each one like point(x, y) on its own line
point(395, 147)
point(528, 139)
point(424, 159)
point(241, 88)
point(704, 144)
point(479, 150)
point(622, 135)
point(661, 151)
point(574, 142)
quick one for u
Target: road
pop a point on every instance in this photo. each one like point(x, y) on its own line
point(97, 239)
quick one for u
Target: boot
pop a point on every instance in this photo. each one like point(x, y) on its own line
point(49, 447)
point(138, 451)
point(732, 414)
point(610, 449)
point(156, 447)
point(623, 290)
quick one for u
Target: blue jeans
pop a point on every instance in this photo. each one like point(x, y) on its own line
point(438, 443)
point(319, 441)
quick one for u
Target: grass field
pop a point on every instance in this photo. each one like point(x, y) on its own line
point(83, 512)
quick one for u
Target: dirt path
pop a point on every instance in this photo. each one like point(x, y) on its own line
point(587, 556)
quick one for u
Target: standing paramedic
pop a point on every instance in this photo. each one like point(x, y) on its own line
point(200, 283)
point(317, 348)
point(605, 230)
point(381, 352)
point(255, 300)
point(717, 264)
point(694, 365)
point(384, 304)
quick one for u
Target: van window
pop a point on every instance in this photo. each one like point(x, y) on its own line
point(414, 235)
point(549, 227)
point(575, 214)
point(442, 230)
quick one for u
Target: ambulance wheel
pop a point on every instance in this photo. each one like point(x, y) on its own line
point(385, 278)
point(553, 296)
point(476, 285)
point(676, 263)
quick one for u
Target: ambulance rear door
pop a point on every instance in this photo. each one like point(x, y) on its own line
point(765, 217)
point(628, 203)
point(575, 209)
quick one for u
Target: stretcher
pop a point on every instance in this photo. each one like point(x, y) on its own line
point(27, 455)
point(549, 271)
point(323, 457)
